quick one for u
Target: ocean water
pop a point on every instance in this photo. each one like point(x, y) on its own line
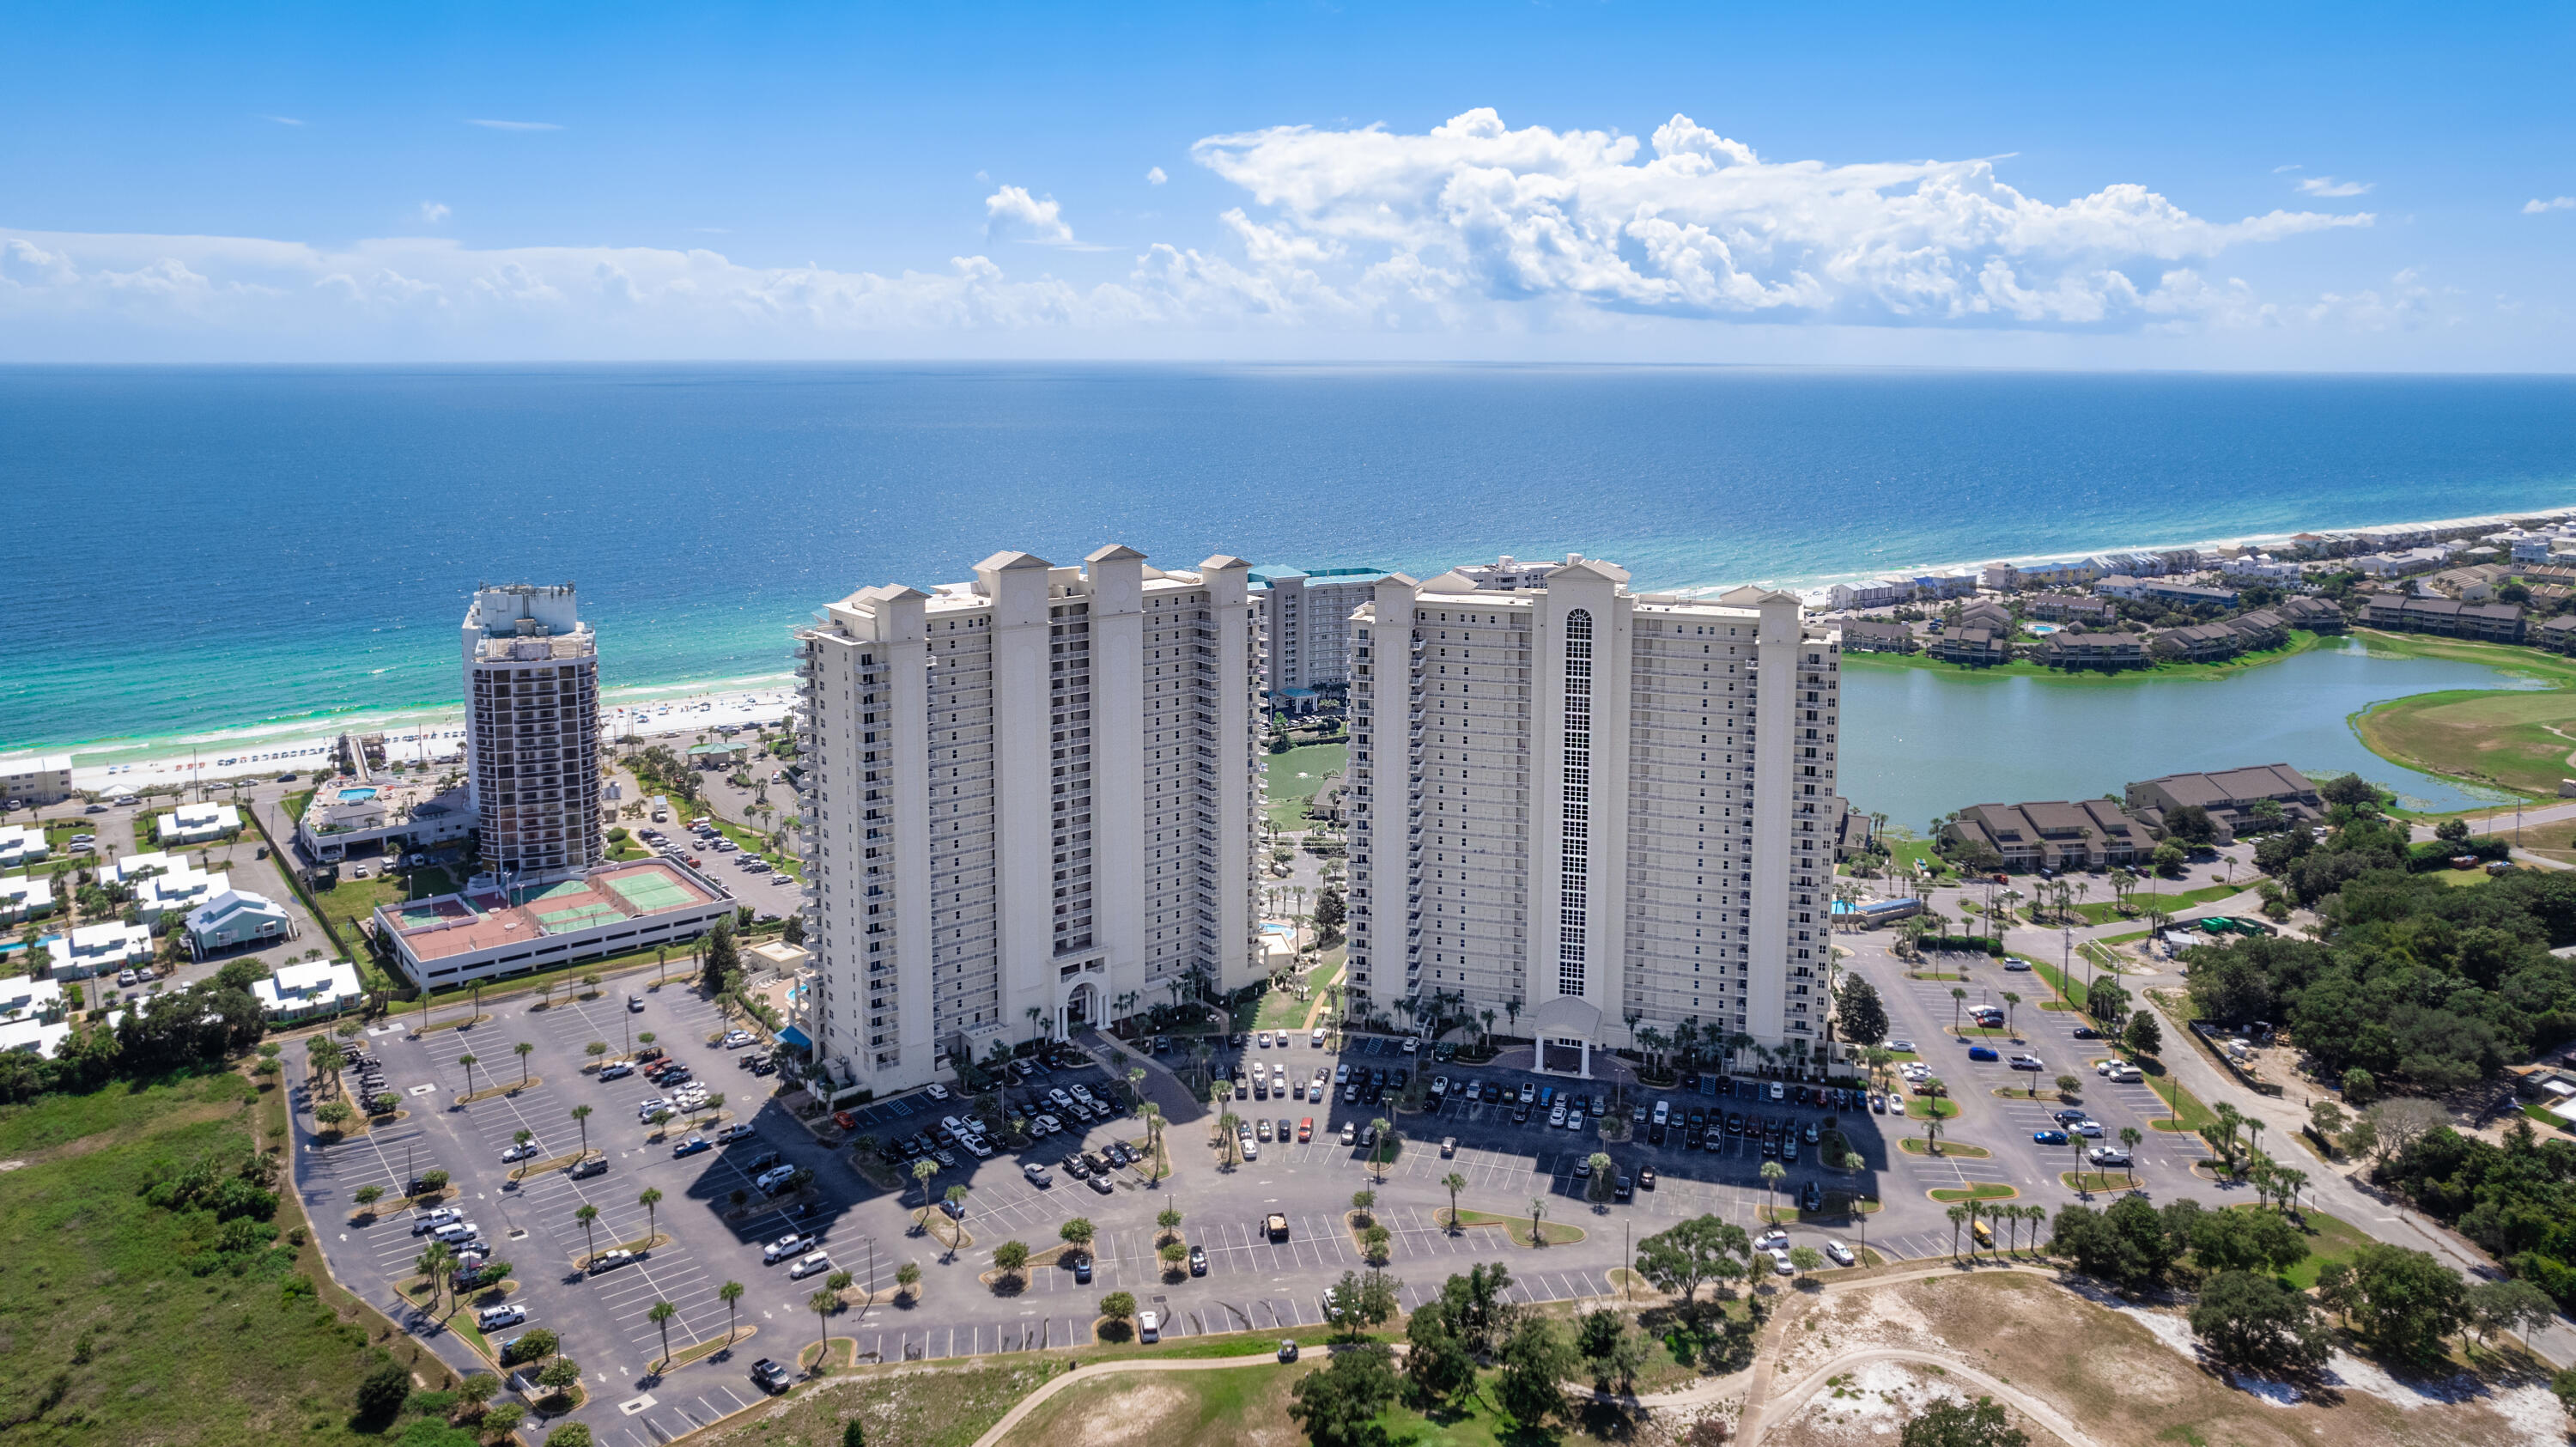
point(215, 549)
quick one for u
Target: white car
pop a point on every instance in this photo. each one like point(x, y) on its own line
point(814, 1265)
point(1149, 1327)
point(1341, 1074)
point(1773, 1240)
point(937, 1091)
point(493, 1318)
point(1251, 1147)
point(519, 1153)
point(737, 1131)
point(1439, 1087)
point(645, 1110)
point(1840, 1254)
point(1556, 1115)
point(1317, 1039)
point(784, 1247)
point(1045, 1125)
point(1036, 1173)
point(428, 1221)
point(456, 1231)
point(2090, 1129)
point(1781, 1264)
point(1062, 1100)
point(1900, 1044)
point(736, 1039)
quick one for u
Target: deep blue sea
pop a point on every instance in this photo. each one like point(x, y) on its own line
point(204, 549)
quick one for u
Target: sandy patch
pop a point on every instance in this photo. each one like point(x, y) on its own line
point(1134, 1414)
point(1872, 1402)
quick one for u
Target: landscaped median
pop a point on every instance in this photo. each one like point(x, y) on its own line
point(1516, 1228)
point(1914, 1145)
point(1977, 1191)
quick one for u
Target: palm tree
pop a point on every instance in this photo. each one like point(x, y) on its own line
point(1153, 1135)
point(1385, 1139)
point(729, 1293)
point(822, 1303)
point(586, 1216)
point(660, 1316)
point(1456, 1183)
point(1932, 1133)
point(922, 1171)
point(581, 1117)
point(433, 1264)
point(957, 1198)
point(1538, 1209)
point(523, 1050)
point(1958, 998)
point(2129, 1138)
point(2011, 1000)
point(1772, 1172)
point(469, 1061)
point(1958, 1217)
point(651, 1198)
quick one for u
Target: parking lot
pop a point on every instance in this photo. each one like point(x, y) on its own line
point(1250, 1281)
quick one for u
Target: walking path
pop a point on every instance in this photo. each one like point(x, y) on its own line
point(1031, 1402)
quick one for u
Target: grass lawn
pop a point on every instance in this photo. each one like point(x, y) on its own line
point(1914, 1145)
point(2071, 991)
point(2096, 1181)
point(1282, 1010)
point(2178, 1101)
point(2106, 911)
point(2491, 736)
point(754, 842)
point(2330, 1238)
point(949, 1408)
point(1554, 1233)
point(1981, 1191)
point(1238, 1408)
point(353, 900)
point(1925, 1107)
point(105, 1315)
point(1294, 777)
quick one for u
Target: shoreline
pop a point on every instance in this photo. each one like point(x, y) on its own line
point(194, 755)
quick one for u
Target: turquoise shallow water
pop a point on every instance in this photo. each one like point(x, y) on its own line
point(206, 549)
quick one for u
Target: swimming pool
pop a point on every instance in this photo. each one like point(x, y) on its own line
point(352, 796)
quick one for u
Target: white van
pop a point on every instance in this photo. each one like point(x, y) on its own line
point(813, 1265)
point(1149, 1327)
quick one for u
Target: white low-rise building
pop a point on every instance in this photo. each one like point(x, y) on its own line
point(178, 890)
point(1871, 592)
point(25, 896)
point(316, 987)
point(133, 869)
point(23, 997)
point(196, 824)
point(22, 844)
point(104, 949)
point(36, 778)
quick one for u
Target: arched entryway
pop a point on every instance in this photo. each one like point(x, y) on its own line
point(1079, 1009)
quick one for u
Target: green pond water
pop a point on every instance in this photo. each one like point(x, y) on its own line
point(1918, 743)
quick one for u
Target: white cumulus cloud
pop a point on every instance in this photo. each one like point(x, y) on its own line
point(1012, 214)
point(1154, 176)
point(1469, 227)
point(2329, 186)
point(1703, 226)
point(2536, 207)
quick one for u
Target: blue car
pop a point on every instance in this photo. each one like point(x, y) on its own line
point(690, 1147)
point(2049, 1137)
point(1982, 1052)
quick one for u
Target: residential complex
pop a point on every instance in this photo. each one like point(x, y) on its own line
point(2229, 797)
point(1306, 618)
point(486, 930)
point(1030, 804)
point(532, 731)
point(1571, 805)
point(2061, 834)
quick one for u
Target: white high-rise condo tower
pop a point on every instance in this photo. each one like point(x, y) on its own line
point(532, 731)
point(1030, 806)
point(1594, 812)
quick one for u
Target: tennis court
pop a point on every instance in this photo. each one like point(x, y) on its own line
point(648, 891)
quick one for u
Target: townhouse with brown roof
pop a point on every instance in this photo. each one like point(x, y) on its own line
point(1973, 646)
point(2229, 796)
point(2072, 649)
point(2057, 834)
point(1877, 635)
point(2450, 618)
point(2313, 614)
point(2261, 628)
point(2558, 635)
point(2070, 608)
point(2199, 643)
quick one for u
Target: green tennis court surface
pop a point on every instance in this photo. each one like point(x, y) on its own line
point(583, 916)
point(551, 891)
point(646, 893)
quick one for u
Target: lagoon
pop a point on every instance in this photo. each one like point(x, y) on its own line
point(1920, 742)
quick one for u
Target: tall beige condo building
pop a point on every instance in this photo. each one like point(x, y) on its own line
point(1594, 811)
point(1031, 805)
point(532, 730)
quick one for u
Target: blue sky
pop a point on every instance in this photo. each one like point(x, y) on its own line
point(2222, 186)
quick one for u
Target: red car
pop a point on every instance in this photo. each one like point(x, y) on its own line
point(1306, 1129)
point(845, 1120)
